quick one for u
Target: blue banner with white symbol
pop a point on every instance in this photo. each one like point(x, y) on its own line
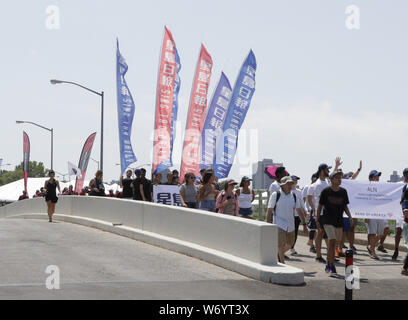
point(214, 121)
point(241, 99)
point(126, 110)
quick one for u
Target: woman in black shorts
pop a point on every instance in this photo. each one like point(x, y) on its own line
point(51, 198)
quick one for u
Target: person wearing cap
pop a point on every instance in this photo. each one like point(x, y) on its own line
point(282, 206)
point(313, 196)
point(135, 185)
point(227, 200)
point(333, 202)
point(377, 229)
point(298, 219)
point(312, 232)
point(245, 197)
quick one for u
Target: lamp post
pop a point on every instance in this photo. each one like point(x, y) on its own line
point(52, 138)
point(95, 161)
point(101, 94)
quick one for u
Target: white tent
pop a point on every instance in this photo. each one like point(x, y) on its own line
point(12, 191)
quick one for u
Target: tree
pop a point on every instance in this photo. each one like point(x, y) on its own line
point(35, 170)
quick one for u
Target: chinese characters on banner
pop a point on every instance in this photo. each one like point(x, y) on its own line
point(190, 161)
point(167, 194)
point(214, 121)
point(240, 102)
point(166, 95)
point(26, 157)
point(83, 161)
point(126, 110)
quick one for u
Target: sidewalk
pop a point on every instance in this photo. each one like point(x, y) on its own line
point(361, 239)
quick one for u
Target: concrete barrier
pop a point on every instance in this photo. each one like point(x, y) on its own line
point(246, 246)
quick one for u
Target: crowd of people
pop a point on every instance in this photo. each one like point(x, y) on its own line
point(318, 207)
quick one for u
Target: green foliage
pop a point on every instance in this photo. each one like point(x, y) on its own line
point(36, 170)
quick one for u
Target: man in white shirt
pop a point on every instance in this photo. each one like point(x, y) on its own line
point(313, 197)
point(312, 231)
point(279, 173)
point(282, 205)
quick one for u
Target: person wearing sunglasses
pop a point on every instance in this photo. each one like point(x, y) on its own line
point(188, 191)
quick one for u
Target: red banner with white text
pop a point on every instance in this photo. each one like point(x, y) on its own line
point(190, 161)
point(164, 101)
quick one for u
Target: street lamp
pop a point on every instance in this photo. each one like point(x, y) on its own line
point(101, 94)
point(95, 161)
point(52, 138)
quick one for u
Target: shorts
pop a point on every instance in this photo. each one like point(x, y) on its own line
point(285, 238)
point(52, 199)
point(347, 226)
point(245, 212)
point(192, 205)
point(333, 233)
point(375, 226)
point(207, 205)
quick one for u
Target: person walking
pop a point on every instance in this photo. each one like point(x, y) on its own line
point(404, 205)
point(245, 197)
point(333, 201)
point(125, 184)
point(281, 211)
point(96, 185)
point(311, 225)
point(188, 191)
point(51, 198)
point(227, 200)
point(299, 219)
point(398, 223)
point(376, 228)
point(208, 193)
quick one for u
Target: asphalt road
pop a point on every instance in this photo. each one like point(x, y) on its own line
point(98, 265)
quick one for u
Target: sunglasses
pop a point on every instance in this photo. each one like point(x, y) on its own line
point(192, 177)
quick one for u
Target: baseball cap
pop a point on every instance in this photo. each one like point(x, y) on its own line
point(374, 173)
point(232, 182)
point(405, 171)
point(286, 180)
point(314, 176)
point(348, 175)
point(323, 166)
point(335, 173)
point(245, 178)
point(295, 177)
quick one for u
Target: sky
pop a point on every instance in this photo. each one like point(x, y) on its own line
point(322, 90)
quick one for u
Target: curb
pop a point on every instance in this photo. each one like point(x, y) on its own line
point(278, 274)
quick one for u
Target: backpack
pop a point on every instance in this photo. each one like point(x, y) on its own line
point(278, 194)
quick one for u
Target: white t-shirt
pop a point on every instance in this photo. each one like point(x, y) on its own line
point(304, 195)
point(275, 186)
point(315, 190)
point(299, 196)
point(285, 210)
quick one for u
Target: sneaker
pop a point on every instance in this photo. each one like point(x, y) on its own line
point(333, 269)
point(327, 269)
point(320, 259)
point(382, 249)
point(404, 272)
point(395, 255)
point(312, 249)
point(374, 256)
point(293, 252)
point(286, 257)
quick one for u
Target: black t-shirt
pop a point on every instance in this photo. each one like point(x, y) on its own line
point(136, 189)
point(147, 188)
point(127, 190)
point(334, 203)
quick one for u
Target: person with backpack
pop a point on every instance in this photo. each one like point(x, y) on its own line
point(227, 200)
point(282, 205)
